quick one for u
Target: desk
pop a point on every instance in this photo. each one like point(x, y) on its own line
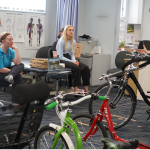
point(35, 72)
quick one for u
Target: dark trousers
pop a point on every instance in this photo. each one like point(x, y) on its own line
point(70, 77)
point(78, 71)
point(15, 72)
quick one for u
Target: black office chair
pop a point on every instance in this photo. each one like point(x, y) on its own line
point(119, 61)
point(43, 52)
point(50, 53)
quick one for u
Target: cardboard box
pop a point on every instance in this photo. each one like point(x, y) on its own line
point(78, 48)
point(39, 63)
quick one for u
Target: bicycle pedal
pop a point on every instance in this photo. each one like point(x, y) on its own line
point(148, 111)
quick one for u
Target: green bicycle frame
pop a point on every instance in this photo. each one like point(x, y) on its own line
point(65, 128)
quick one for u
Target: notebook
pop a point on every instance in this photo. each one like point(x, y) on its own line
point(53, 64)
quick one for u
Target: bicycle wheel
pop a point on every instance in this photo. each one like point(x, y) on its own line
point(122, 111)
point(45, 138)
point(84, 122)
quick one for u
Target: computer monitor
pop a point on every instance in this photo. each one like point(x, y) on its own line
point(147, 44)
point(141, 45)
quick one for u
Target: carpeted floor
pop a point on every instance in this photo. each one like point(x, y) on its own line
point(138, 129)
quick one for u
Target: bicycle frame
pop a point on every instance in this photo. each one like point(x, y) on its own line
point(132, 76)
point(105, 112)
point(73, 125)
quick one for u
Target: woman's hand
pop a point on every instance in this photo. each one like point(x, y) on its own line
point(14, 47)
point(77, 63)
point(17, 59)
point(142, 51)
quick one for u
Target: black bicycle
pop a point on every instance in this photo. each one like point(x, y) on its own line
point(19, 124)
point(122, 99)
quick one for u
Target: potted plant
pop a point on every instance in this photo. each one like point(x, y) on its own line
point(122, 44)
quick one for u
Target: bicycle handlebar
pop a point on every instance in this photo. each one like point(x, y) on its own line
point(48, 107)
point(138, 59)
point(50, 103)
point(95, 96)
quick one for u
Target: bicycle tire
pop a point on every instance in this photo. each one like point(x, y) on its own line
point(47, 131)
point(82, 121)
point(120, 115)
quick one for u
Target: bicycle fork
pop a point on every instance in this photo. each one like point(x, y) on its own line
point(72, 124)
point(99, 116)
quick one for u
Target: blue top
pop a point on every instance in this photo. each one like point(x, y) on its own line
point(61, 50)
point(5, 59)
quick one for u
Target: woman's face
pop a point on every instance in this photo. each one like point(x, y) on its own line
point(70, 31)
point(61, 34)
point(8, 41)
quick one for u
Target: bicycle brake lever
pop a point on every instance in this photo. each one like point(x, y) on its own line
point(49, 101)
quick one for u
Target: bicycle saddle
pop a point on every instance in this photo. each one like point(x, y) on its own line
point(113, 144)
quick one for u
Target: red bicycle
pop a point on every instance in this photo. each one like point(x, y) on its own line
point(104, 112)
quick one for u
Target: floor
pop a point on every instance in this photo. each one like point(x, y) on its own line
point(138, 129)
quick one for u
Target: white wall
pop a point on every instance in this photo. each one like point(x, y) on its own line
point(145, 29)
point(81, 17)
point(100, 19)
point(50, 25)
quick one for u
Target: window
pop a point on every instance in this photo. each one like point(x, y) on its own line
point(34, 6)
point(123, 9)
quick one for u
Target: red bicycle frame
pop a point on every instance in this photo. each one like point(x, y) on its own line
point(105, 112)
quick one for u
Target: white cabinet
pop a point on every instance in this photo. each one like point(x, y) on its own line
point(100, 65)
point(135, 11)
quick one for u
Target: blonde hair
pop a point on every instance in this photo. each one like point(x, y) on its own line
point(65, 37)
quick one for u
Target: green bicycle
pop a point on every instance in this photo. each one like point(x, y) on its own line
point(70, 132)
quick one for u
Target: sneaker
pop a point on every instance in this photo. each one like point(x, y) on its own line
point(9, 79)
point(80, 92)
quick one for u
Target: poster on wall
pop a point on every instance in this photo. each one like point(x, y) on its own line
point(35, 32)
point(1, 22)
point(14, 24)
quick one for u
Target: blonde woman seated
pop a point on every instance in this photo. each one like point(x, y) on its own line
point(65, 49)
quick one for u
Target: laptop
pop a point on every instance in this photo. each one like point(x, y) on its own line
point(53, 64)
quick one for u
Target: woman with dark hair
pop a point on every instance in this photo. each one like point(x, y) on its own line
point(9, 53)
point(60, 34)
